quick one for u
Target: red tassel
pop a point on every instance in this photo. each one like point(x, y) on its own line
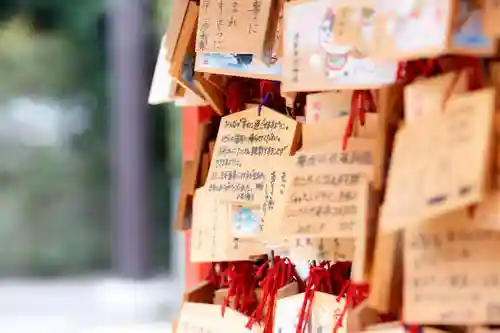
point(217, 276)
point(273, 278)
point(319, 280)
point(241, 283)
point(354, 294)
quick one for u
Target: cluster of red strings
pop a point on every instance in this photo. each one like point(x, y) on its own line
point(362, 100)
point(410, 70)
point(241, 279)
point(273, 275)
point(240, 91)
point(330, 279)
point(241, 285)
point(217, 275)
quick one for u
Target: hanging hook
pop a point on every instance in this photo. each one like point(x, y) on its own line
point(270, 256)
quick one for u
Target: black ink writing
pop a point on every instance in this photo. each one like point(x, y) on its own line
point(437, 200)
point(234, 11)
point(283, 182)
point(202, 35)
point(254, 24)
point(329, 196)
point(249, 175)
point(425, 241)
point(303, 242)
point(324, 211)
point(334, 180)
point(251, 138)
point(261, 124)
point(205, 4)
point(269, 194)
point(464, 190)
point(234, 6)
point(227, 163)
point(305, 228)
point(493, 311)
point(219, 24)
point(321, 250)
point(244, 190)
point(296, 58)
point(340, 158)
point(252, 151)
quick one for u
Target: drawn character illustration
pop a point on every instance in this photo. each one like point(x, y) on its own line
point(417, 18)
point(340, 59)
point(246, 221)
point(468, 25)
point(410, 9)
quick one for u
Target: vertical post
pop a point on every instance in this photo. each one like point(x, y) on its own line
point(129, 167)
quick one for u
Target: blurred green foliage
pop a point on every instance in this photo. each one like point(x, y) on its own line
point(54, 201)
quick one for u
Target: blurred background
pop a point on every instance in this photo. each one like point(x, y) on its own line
point(88, 171)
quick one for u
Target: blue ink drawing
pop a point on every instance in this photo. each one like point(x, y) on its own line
point(240, 63)
point(188, 68)
point(469, 34)
point(246, 221)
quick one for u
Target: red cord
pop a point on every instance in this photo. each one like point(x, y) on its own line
point(266, 87)
point(476, 74)
point(361, 103)
point(354, 294)
point(233, 100)
point(340, 273)
point(413, 328)
point(217, 276)
point(319, 280)
point(272, 279)
point(241, 283)
point(410, 70)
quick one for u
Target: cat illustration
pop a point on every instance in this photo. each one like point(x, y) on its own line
point(340, 59)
